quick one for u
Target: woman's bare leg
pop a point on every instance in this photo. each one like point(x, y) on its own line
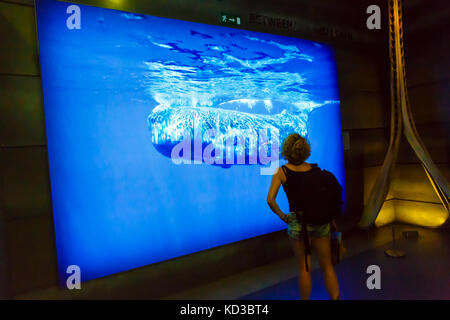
point(323, 250)
point(304, 277)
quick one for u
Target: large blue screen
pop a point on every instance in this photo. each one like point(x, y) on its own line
point(139, 111)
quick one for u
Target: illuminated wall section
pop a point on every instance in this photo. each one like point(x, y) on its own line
point(411, 198)
point(124, 89)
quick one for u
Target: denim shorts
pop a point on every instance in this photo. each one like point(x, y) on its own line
point(295, 228)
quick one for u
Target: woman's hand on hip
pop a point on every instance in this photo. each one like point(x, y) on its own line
point(285, 217)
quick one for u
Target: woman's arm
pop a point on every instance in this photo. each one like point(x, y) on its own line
point(272, 195)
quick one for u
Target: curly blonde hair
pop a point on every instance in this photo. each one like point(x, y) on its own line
point(295, 149)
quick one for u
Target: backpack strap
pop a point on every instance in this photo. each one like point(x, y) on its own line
point(283, 167)
point(338, 253)
point(307, 243)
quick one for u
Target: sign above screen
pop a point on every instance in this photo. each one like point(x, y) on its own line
point(162, 134)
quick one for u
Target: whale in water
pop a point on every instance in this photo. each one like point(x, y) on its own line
point(220, 136)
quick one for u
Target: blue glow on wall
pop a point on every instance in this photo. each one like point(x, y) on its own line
point(118, 94)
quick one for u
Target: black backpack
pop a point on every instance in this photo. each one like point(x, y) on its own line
point(321, 197)
point(321, 201)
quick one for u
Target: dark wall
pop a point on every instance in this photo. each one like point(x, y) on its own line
point(27, 244)
point(427, 49)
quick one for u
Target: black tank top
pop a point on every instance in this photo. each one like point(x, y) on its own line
point(293, 186)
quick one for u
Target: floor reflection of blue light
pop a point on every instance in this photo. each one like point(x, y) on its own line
point(419, 275)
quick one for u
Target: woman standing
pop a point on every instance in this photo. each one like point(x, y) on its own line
point(296, 150)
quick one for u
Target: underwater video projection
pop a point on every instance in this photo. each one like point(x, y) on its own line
point(162, 134)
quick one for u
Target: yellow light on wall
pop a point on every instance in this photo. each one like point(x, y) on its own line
point(425, 214)
point(420, 213)
point(387, 214)
point(412, 198)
